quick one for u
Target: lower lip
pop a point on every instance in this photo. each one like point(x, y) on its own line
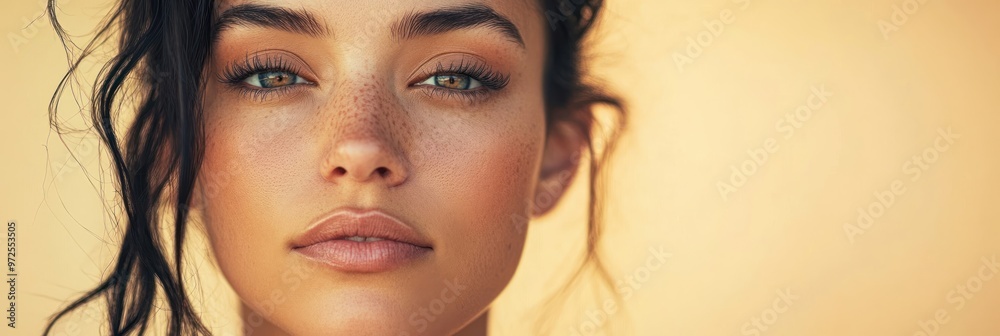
point(363, 257)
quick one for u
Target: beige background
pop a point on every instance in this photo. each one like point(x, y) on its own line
point(731, 256)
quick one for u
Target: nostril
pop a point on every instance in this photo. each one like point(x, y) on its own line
point(382, 171)
point(339, 171)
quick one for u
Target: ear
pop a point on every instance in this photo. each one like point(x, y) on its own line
point(563, 148)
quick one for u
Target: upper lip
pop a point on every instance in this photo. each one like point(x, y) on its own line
point(348, 222)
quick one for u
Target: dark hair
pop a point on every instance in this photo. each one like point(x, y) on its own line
point(161, 50)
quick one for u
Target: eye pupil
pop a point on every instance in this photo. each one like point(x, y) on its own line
point(458, 82)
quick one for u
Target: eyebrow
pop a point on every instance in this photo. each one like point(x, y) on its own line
point(295, 21)
point(411, 25)
point(454, 18)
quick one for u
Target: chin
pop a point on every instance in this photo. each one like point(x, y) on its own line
point(364, 312)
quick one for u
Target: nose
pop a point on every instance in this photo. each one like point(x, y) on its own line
point(363, 132)
point(364, 162)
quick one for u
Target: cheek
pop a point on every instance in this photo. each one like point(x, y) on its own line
point(487, 197)
point(244, 183)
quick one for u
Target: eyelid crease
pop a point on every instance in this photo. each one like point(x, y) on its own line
point(236, 72)
point(478, 70)
point(492, 82)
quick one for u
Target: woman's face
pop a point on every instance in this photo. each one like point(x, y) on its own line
point(327, 121)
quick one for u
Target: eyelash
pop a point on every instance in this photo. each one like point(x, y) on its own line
point(491, 80)
point(237, 72)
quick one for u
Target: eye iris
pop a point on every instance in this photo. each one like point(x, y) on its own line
point(275, 79)
point(458, 82)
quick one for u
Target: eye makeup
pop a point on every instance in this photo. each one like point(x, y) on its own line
point(239, 74)
point(262, 76)
point(467, 68)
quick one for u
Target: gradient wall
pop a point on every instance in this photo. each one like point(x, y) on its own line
point(791, 168)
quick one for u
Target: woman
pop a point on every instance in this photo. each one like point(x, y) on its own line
point(373, 161)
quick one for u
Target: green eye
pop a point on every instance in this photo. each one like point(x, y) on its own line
point(453, 81)
point(273, 79)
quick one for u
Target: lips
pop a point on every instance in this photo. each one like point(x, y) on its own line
point(355, 241)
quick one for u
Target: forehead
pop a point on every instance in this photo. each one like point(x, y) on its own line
point(352, 19)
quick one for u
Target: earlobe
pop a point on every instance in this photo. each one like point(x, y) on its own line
point(196, 196)
point(563, 150)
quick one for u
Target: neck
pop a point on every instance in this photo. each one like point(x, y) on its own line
point(478, 327)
